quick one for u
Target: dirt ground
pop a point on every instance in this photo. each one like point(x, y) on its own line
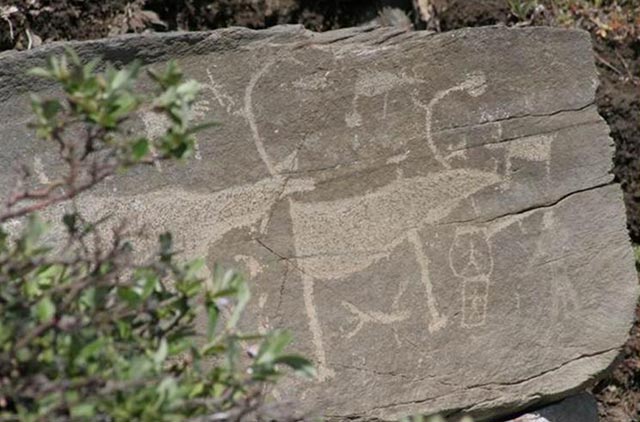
point(616, 36)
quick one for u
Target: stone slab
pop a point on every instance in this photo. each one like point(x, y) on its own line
point(431, 215)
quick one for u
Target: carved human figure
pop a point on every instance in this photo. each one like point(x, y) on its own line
point(470, 259)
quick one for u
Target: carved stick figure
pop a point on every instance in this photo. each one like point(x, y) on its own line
point(470, 258)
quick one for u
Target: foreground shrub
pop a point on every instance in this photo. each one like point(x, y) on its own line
point(90, 329)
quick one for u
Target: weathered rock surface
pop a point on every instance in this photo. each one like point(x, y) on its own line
point(432, 215)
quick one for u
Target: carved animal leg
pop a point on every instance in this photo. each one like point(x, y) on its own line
point(436, 320)
point(324, 372)
point(401, 290)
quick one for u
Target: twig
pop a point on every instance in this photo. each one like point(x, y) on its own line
point(634, 80)
point(609, 65)
point(30, 43)
point(65, 196)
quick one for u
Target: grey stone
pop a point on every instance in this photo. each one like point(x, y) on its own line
point(431, 215)
point(579, 408)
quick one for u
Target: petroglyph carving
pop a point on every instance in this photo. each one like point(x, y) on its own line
point(564, 297)
point(531, 148)
point(363, 318)
point(204, 218)
point(224, 100)
point(373, 84)
point(474, 85)
point(312, 83)
point(334, 239)
point(470, 259)
point(285, 157)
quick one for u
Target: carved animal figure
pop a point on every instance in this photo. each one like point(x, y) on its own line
point(334, 239)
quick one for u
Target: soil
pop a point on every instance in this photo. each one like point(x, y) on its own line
point(618, 96)
point(618, 99)
point(52, 20)
point(456, 14)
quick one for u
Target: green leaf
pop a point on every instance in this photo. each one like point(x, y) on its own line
point(6, 332)
point(123, 77)
point(148, 281)
point(123, 105)
point(200, 127)
point(32, 233)
point(249, 337)
point(196, 390)
point(4, 236)
point(83, 410)
point(213, 348)
point(124, 329)
point(193, 267)
point(40, 72)
point(300, 365)
point(212, 319)
point(47, 273)
point(162, 352)
point(90, 349)
point(24, 354)
point(273, 346)
point(140, 149)
point(167, 390)
point(129, 295)
point(71, 54)
point(50, 108)
point(90, 67)
point(242, 298)
point(45, 309)
point(88, 298)
point(188, 90)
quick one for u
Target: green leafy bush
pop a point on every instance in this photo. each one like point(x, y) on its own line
point(522, 9)
point(89, 331)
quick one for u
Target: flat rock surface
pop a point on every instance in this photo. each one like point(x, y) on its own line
point(431, 215)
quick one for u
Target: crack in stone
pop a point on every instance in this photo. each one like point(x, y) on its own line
point(526, 210)
point(531, 208)
point(353, 163)
point(372, 371)
point(384, 39)
point(488, 386)
point(517, 138)
point(271, 250)
point(283, 283)
point(520, 116)
point(543, 373)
